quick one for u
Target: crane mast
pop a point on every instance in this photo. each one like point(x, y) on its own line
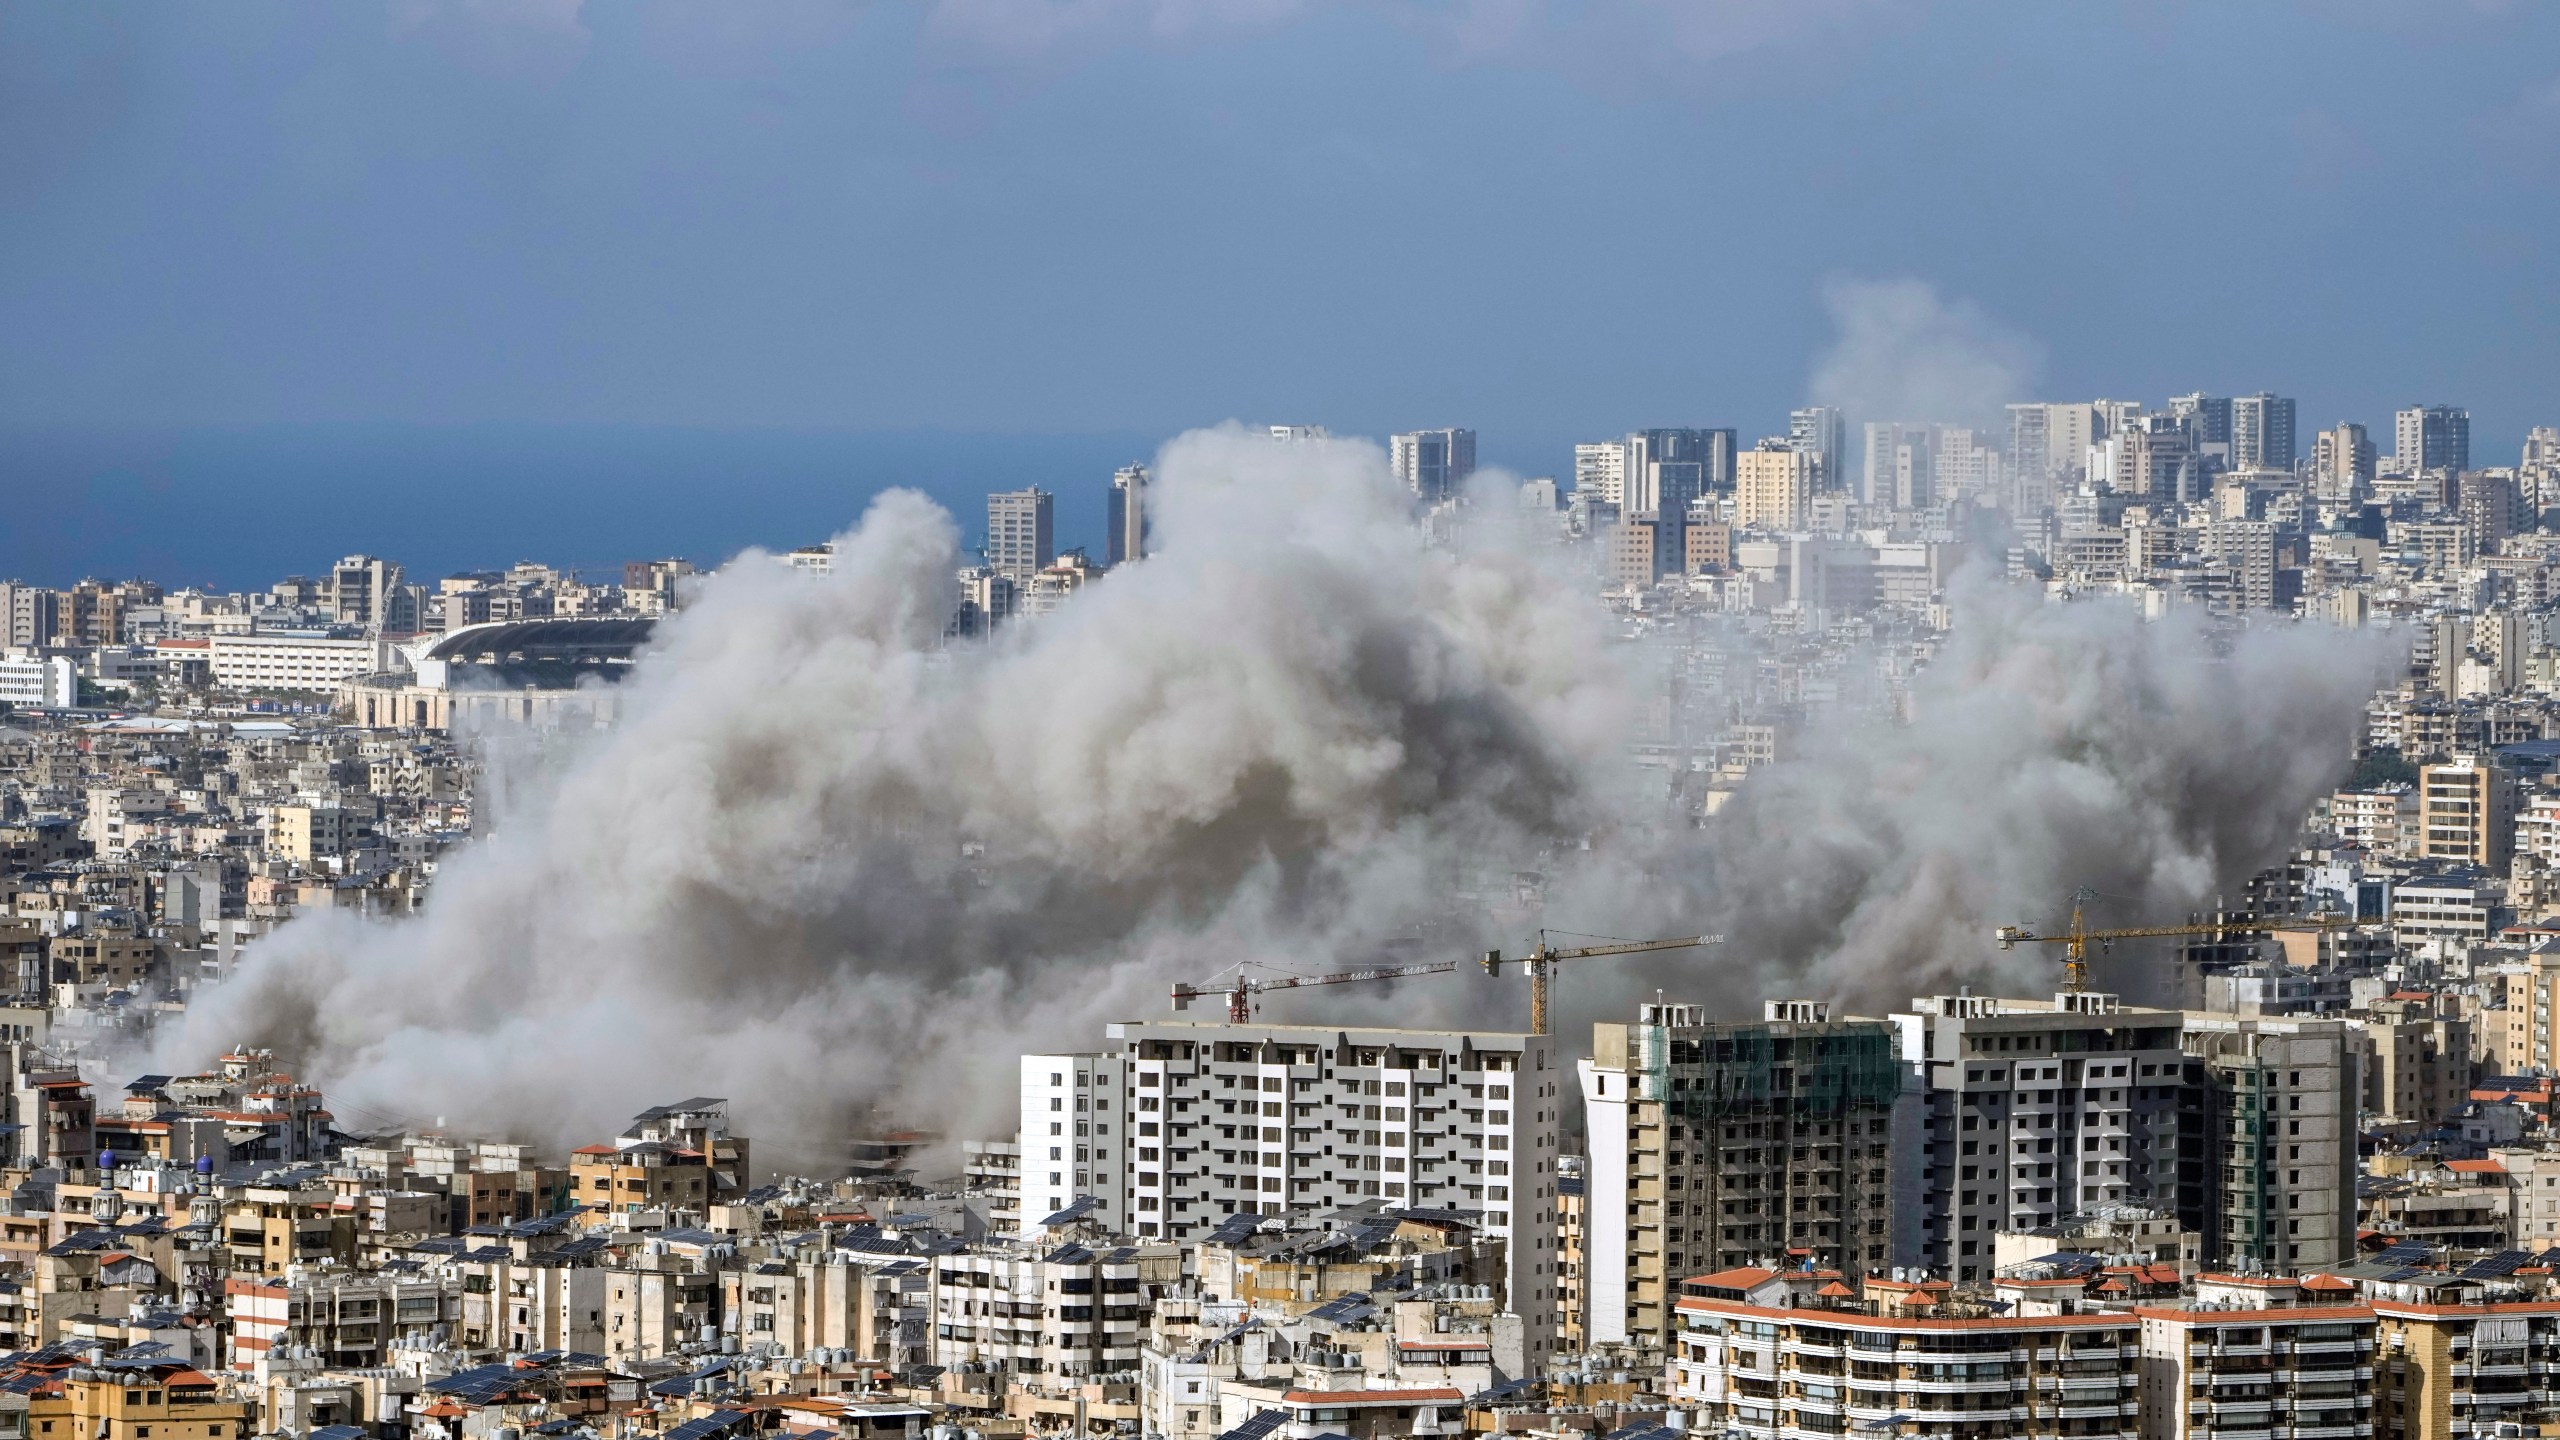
point(1541, 960)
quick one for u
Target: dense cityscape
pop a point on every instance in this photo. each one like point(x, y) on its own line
point(1279, 720)
point(2305, 1182)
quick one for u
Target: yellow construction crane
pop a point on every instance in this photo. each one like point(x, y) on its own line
point(2075, 941)
point(1540, 963)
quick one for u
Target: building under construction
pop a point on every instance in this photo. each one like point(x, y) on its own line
point(1735, 1145)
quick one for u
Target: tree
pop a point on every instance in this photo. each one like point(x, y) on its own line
point(2382, 767)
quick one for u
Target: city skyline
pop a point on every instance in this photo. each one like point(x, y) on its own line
point(93, 494)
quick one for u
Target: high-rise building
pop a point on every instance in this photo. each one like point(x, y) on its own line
point(2030, 439)
point(30, 614)
point(2492, 504)
point(2431, 437)
point(363, 591)
point(1823, 433)
point(1299, 434)
point(1021, 533)
point(1129, 522)
point(2206, 417)
point(1667, 469)
point(1600, 471)
point(1571, 1186)
point(2156, 459)
point(1179, 1124)
point(2069, 431)
point(2466, 806)
point(1774, 487)
point(2262, 432)
point(2342, 461)
point(1717, 1144)
point(2034, 1111)
point(1900, 473)
point(1717, 448)
point(2274, 1102)
point(1433, 464)
point(2541, 446)
point(1963, 464)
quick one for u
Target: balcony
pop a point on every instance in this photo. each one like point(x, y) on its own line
point(2091, 1384)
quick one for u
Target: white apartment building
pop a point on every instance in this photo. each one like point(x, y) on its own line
point(2454, 906)
point(316, 663)
point(2034, 1109)
point(1761, 1354)
point(1184, 1123)
point(1600, 471)
point(41, 681)
point(2382, 819)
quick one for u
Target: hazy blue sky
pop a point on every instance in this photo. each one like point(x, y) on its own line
point(1544, 219)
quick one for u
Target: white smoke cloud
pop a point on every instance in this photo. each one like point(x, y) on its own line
point(826, 861)
point(2049, 747)
point(1904, 352)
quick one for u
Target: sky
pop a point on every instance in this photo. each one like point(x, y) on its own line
point(969, 243)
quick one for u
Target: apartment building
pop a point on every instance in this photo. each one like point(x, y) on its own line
point(1184, 1123)
point(2467, 811)
point(992, 1170)
point(874, 1311)
point(157, 1399)
point(1071, 1312)
point(1774, 486)
point(1715, 1145)
point(543, 1301)
point(2457, 905)
point(1766, 1354)
point(629, 1179)
point(2479, 1369)
point(2235, 1369)
point(2417, 1063)
point(2032, 1109)
point(346, 1318)
point(2272, 1179)
point(658, 1303)
point(2380, 819)
point(1021, 538)
point(1572, 1211)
